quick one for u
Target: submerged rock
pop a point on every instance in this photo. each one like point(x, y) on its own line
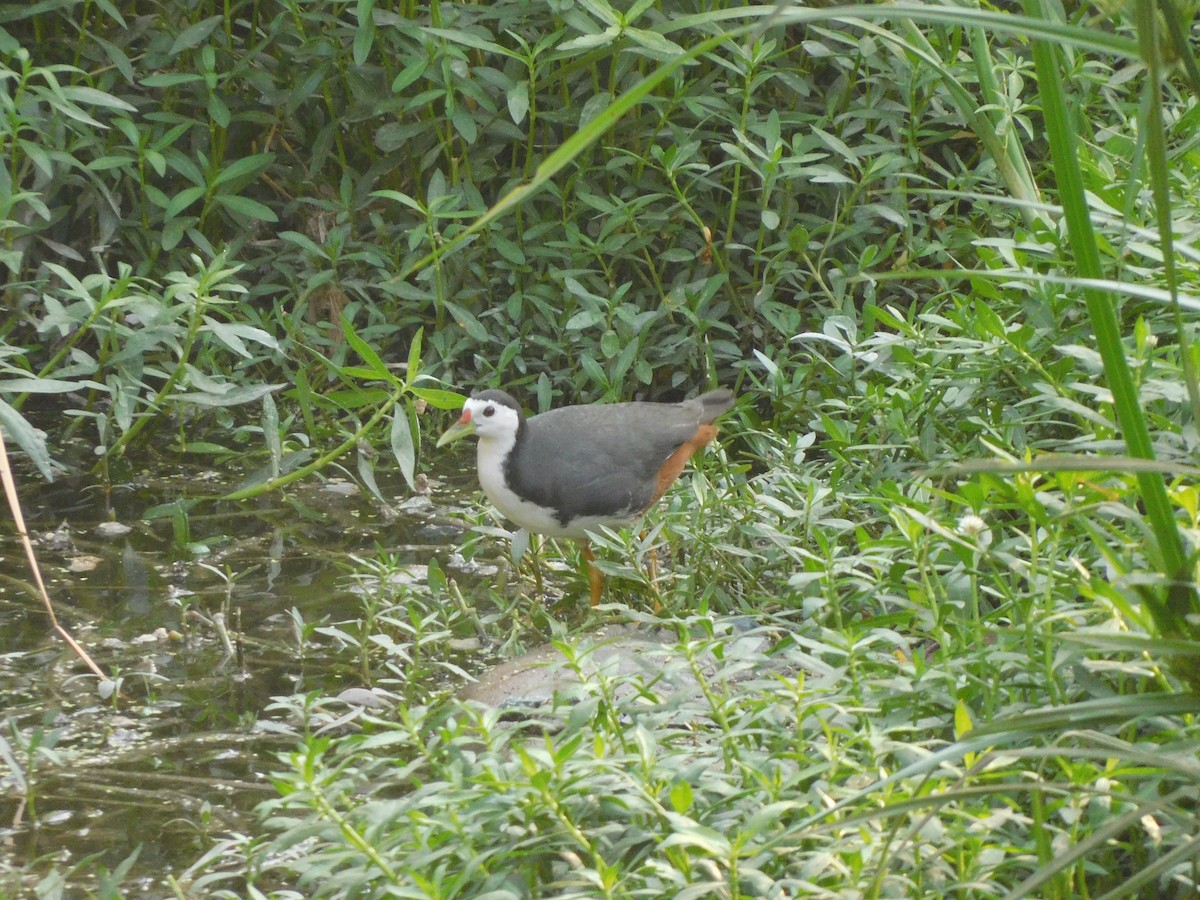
point(641, 658)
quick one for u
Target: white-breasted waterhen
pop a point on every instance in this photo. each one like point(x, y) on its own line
point(575, 468)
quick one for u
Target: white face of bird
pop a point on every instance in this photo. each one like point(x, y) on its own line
point(489, 419)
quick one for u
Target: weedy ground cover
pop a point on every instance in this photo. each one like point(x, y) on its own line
point(945, 255)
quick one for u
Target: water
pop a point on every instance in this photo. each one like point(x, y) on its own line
point(184, 751)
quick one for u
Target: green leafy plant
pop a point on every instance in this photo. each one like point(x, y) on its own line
point(945, 252)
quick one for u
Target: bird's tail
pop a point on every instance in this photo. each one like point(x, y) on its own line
point(715, 403)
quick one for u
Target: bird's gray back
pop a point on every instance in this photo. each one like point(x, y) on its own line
point(604, 459)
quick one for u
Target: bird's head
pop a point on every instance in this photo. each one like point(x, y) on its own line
point(489, 414)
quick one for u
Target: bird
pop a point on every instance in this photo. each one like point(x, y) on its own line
point(572, 469)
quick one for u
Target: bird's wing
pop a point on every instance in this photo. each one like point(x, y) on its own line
point(602, 460)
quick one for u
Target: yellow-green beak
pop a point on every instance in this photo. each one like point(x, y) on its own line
point(458, 430)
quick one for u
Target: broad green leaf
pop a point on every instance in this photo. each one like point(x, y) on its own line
point(988, 320)
point(28, 438)
point(195, 35)
point(170, 79)
point(413, 371)
point(172, 232)
point(304, 242)
point(653, 42)
point(111, 11)
point(610, 344)
point(359, 372)
point(158, 163)
point(46, 386)
point(686, 832)
point(518, 102)
point(508, 249)
point(467, 321)
point(73, 111)
point(409, 74)
point(233, 333)
point(640, 6)
point(374, 364)
point(399, 197)
point(585, 318)
point(306, 89)
point(180, 161)
point(962, 721)
point(227, 336)
point(591, 41)
point(104, 163)
point(366, 474)
point(681, 797)
point(116, 56)
point(218, 111)
point(602, 10)
point(435, 577)
point(244, 206)
point(235, 396)
point(438, 398)
point(519, 545)
point(403, 447)
point(464, 124)
point(182, 201)
point(93, 97)
point(593, 369)
point(467, 39)
point(38, 155)
point(364, 42)
point(357, 399)
point(169, 510)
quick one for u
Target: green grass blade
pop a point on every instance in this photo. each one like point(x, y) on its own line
point(1101, 312)
point(1153, 129)
point(1011, 24)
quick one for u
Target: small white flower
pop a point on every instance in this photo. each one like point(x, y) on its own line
point(971, 525)
point(1153, 829)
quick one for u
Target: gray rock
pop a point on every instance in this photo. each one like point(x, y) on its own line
point(621, 651)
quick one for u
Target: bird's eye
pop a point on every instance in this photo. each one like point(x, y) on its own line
point(489, 410)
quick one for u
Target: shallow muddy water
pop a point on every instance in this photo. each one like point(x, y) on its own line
point(201, 636)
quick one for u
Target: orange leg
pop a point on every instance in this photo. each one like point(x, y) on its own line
point(651, 563)
point(652, 571)
point(595, 576)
